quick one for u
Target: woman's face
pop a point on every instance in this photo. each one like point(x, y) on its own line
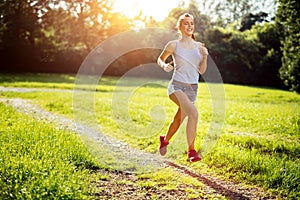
point(187, 26)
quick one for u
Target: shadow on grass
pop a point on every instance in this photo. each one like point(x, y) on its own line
point(211, 183)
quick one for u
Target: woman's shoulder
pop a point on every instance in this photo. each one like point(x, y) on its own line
point(173, 42)
point(171, 45)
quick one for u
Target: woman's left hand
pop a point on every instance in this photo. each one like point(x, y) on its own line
point(203, 49)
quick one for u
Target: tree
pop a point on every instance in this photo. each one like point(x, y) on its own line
point(20, 29)
point(82, 23)
point(54, 34)
point(288, 19)
point(249, 57)
point(234, 53)
point(250, 19)
point(232, 10)
point(267, 68)
point(225, 12)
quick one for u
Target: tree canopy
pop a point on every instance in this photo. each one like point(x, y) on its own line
point(242, 37)
point(288, 21)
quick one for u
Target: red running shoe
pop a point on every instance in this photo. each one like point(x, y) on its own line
point(163, 145)
point(193, 156)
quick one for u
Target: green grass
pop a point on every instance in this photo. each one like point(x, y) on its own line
point(39, 161)
point(38, 81)
point(167, 179)
point(260, 140)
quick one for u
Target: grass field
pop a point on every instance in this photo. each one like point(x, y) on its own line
point(38, 161)
point(259, 142)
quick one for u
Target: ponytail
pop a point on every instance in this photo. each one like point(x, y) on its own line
point(193, 36)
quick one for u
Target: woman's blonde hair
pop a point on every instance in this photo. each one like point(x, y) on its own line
point(181, 18)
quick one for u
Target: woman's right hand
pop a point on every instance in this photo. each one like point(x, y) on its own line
point(168, 66)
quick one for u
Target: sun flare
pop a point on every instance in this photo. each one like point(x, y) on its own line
point(157, 9)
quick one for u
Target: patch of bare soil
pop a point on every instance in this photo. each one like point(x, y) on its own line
point(121, 184)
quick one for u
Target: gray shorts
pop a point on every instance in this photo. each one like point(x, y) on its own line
point(190, 90)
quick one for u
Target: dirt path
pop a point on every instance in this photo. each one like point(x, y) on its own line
point(111, 189)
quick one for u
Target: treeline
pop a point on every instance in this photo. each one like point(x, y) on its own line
point(56, 36)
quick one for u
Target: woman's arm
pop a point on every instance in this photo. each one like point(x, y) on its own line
point(167, 51)
point(203, 64)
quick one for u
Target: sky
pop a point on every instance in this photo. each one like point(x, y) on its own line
point(158, 9)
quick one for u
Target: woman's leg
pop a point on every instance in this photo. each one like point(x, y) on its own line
point(186, 108)
point(175, 124)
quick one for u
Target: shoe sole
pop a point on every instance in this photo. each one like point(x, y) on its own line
point(193, 159)
point(163, 150)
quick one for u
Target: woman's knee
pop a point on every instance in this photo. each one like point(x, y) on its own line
point(193, 114)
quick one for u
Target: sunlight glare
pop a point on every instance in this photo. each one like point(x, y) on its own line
point(158, 9)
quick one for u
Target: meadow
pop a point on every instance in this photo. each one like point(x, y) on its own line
point(259, 143)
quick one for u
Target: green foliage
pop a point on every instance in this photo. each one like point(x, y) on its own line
point(268, 65)
point(248, 57)
point(230, 11)
point(234, 53)
point(44, 36)
point(19, 31)
point(288, 19)
point(250, 19)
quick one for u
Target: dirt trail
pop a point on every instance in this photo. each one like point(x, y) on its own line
point(214, 185)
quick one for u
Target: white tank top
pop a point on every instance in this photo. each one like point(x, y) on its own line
point(186, 63)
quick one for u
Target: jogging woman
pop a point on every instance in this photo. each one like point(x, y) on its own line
point(189, 59)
